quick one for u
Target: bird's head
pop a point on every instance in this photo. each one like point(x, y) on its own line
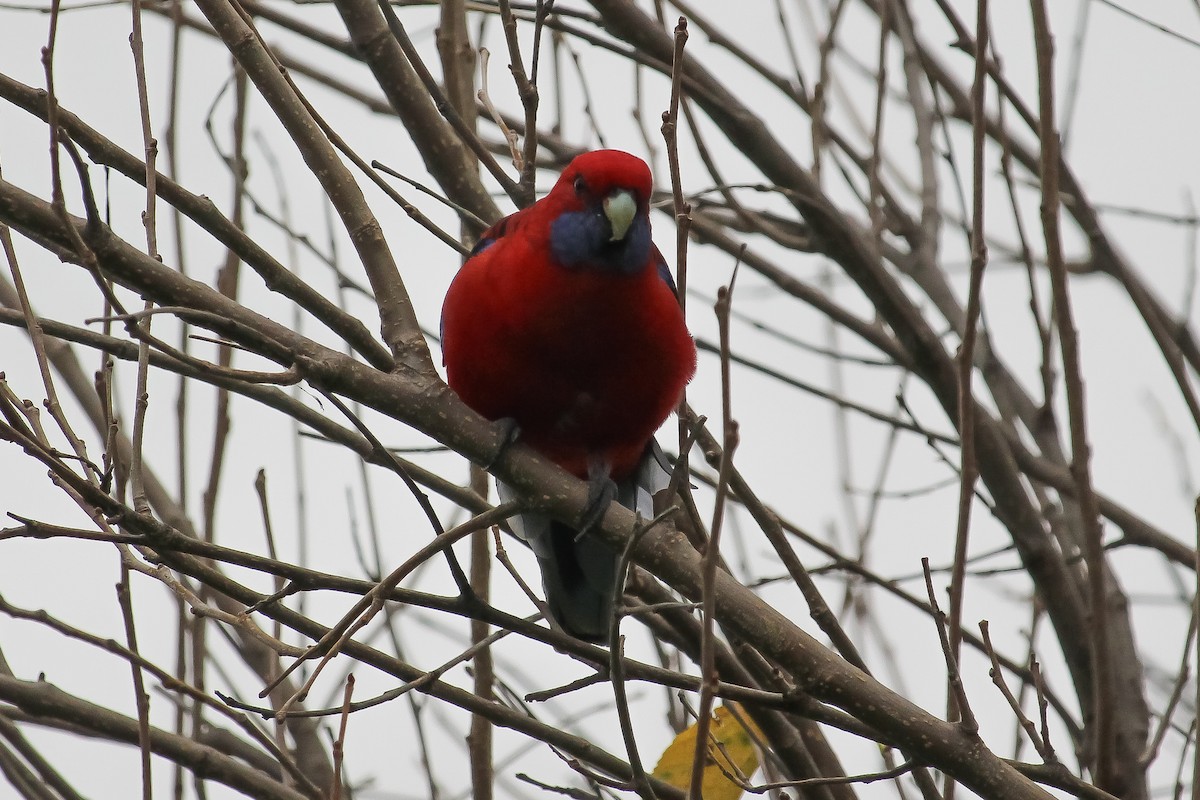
point(602, 200)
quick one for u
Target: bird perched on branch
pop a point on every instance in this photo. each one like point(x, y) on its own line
point(565, 321)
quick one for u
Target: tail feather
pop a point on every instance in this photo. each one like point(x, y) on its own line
point(579, 573)
point(580, 579)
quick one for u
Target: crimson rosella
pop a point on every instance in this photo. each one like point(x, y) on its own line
point(565, 322)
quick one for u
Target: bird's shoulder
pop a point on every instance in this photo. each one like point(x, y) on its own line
point(520, 227)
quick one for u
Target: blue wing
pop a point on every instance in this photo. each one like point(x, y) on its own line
point(664, 271)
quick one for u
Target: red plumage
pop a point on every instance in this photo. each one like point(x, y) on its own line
point(565, 320)
point(589, 363)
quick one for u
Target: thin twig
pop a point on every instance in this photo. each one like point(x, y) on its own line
point(339, 744)
point(681, 209)
point(712, 553)
point(1109, 773)
point(967, 721)
point(526, 162)
point(969, 467)
point(142, 700)
point(997, 675)
point(1196, 699)
point(149, 220)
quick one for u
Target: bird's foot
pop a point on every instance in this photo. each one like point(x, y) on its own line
point(601, 492)
point(510, 431)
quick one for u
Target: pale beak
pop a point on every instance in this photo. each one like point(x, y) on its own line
point(620, 207)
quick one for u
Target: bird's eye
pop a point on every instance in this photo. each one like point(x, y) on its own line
point(580, 184)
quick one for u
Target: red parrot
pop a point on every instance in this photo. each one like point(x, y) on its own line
point(565, 321)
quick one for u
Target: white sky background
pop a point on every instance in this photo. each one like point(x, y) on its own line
point(1132, 139)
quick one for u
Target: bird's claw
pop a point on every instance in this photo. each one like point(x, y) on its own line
point(510, 431)
point(601, 493)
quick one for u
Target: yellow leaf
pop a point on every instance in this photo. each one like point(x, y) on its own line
point(731, 751)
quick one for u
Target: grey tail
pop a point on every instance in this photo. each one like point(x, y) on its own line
point(579, 572)
point(580, 578)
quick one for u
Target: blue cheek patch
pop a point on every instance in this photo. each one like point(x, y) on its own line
point(576, 237)
point(580, 240)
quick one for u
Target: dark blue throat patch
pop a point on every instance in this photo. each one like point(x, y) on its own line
point(580, 240)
